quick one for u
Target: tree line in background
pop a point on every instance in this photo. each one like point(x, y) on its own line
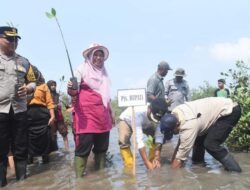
point(238, 81)
point(239, 138)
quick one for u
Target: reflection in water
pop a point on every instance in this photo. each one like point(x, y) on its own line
point(59, 173)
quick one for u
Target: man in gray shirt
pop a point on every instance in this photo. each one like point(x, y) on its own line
point(16, 81)
point(177, 89)
point(155, 86)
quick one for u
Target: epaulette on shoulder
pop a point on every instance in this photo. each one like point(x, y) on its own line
point(22, 61)
point(22, 58)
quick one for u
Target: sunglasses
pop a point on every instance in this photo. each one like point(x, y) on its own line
point(12, 39)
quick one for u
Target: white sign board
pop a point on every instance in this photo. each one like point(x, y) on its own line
point(131, 97)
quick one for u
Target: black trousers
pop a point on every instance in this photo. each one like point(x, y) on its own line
point(14, 134)
point(39, 133)
point(98, 141)
point(215, 136)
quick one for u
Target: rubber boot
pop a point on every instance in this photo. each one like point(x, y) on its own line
point(30, 159)
point(3, 173)
point(45, 159)
point(127, 157)
point(80, 166)
point(230, 164)
point(20, 168)
point(151, 154)
point(100, 159)
point(54, 145)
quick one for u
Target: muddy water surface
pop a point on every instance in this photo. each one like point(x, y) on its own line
point(59, 173)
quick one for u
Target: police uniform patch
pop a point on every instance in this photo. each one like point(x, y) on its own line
point(31, 75)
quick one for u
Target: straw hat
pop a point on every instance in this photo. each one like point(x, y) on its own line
point(94, 47)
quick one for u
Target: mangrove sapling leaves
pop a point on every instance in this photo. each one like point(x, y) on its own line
point(53, 11)
point(49, 15)
point(149, 141)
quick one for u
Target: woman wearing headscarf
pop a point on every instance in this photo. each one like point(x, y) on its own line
point(59, 124)
point(92, 117)
point(40, 117)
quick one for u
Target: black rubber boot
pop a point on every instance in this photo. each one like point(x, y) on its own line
point(230, 164)
point(3, 172)
point(45, 159)
point(30, 159)
point(54, 145)
point(20, 168)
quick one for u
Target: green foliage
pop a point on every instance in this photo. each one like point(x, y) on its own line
point(53, 11)
point(149, 141)
point(203, 91)
point(115, 109)
point(51, 14)
point(239, 138)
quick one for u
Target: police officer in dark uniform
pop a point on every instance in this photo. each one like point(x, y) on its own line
point(16, 81)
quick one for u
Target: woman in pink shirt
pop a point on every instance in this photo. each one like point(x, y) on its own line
point(93, 117)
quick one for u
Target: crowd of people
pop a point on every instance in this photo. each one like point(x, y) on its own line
point(31, 115)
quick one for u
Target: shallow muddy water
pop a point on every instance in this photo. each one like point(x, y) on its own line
point(59, 173)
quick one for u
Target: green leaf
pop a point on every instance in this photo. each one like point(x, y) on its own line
point(53, 12)
point(150, 138)
point(149, 141)
point(49, 15)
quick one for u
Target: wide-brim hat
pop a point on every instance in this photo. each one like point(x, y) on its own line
point(180, 72)
point(94, 47)
point(7, 31)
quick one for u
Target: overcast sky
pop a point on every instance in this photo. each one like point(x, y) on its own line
point(203, 37)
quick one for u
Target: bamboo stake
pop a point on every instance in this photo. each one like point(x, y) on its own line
point(134, 140)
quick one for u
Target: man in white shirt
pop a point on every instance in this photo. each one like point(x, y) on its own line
point(144, 127)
